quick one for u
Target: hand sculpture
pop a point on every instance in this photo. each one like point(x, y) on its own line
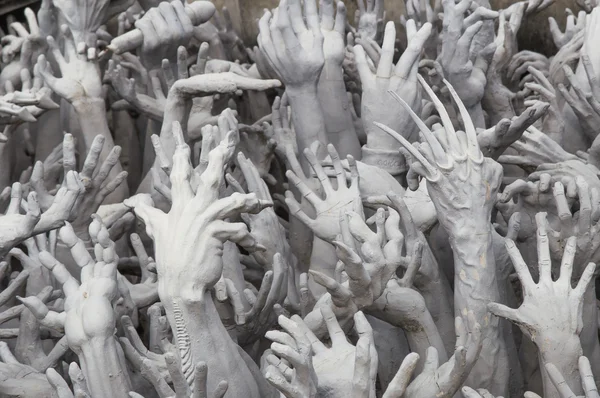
point(186, 272)
point(89, 316)
point(436, 380)
point(565, 300)
point(467, 77)
point(302, 66)
point(370, 19)
point(334, 365)
point(337, 201)
point(164, 29)
point(400, 79)
point(93, 181)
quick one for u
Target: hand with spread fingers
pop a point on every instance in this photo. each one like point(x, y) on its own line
point(391, 81)
point(343, 369)
point(370, 264)
point(370, 18)
point(336, 202)
point(561, 324)
point(89, 317)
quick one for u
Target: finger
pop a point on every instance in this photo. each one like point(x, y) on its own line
point(543, 247)
point(432, 361)
point(585, 204)
point(399, 383)
point(384, 69)
point(236, 302)
point(519, 264)
point(559, 381)
point(336, 334)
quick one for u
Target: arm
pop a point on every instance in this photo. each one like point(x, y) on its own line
point(464, 210)
point(331, 87)
point(405, 308)
point(299, 69)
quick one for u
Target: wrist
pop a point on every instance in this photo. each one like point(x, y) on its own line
point(103, 365)
point(85, 105)
point(332, 71)
point(391, 161)
point(557, 346)
point(297, 91)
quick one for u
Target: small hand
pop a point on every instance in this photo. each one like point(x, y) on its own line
point(165, 28)
point(336, 202)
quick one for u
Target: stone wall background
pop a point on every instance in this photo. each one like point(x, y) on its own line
point(533, 35)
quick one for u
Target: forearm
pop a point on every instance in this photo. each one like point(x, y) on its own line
point(563, 351)
point(476, 112)
point(438, 299)
point(336, 116)
point(419, 328)
point(177, 109)
point(589, 333)
point(307, 116)
point(196, 323)
point(6, 156)
point(93, 122)
point(475, 285)
point(103, 365)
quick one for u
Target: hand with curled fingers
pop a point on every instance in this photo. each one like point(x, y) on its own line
point(582, 225)
point(127, 89)
point(495, 140)
point(89, 317)
point(519, 65)
point(94, 181)
point(469, 78)
point(398, 80)
point(293, 48)
point(184, 270)
point(343, 369)
point(27, 44)
point(335, 201)
point(585, 105)
point(369, 266)
point(553, 123)
point(569, 169)
point(290, 367)
point(165, 372)
point(144, 293)
point(533, 149)
point(84, 20)
point(573, 26)
point(16, 227)
point(567, 55)
point(561, 324)
point(265, 225)
point(254, 313)
point(164, 28)
point(437, 380)
point(19, 107)
point(526, 199)
point(17, 378)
